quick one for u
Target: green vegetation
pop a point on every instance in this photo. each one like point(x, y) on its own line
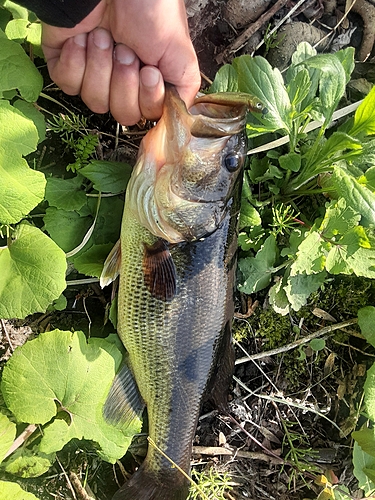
point(307, 233)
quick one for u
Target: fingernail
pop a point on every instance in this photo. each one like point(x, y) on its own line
point(150, 76)
point(102, 39)
point(124, 54)
point(81, 40)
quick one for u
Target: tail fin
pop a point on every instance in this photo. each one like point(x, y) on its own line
point(168, 484)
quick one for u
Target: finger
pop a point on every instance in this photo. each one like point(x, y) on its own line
point(124, 93)
point(97, 77)
point(66, 66)
point(151, 92)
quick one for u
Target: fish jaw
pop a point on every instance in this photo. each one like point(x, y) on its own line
point(181, 183)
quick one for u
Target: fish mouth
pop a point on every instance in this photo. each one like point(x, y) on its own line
point(183, 182)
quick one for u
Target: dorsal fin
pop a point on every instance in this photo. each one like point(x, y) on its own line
point(112, 264)
point(159, 270)
point(124, 403)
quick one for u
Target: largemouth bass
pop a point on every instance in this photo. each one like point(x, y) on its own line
point(175, 301)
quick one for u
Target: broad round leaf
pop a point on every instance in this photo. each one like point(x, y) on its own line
point(21, 188)
point(7, 435)
point(32, 273)
point(14, 491)
point(59, 373)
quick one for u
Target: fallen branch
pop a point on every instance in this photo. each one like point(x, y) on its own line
point(297, 343)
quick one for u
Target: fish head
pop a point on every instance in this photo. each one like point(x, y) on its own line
point(193, 159)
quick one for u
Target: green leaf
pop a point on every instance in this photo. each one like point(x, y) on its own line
point(353, 253)
point(249, 216)
point(33, 273)
point(366, 322)
point(299, 86)
point(108, 176)
point(91, 262)
point(17, 29)
point(66, 228)
point(21, 188)
point(332, 81)
point(301, 286)
point(7, 435)
point(65, 193)
point(362, 460)
point(364, 118)
point(226, 80)
point(359, 197)
point(310, 255)
point(290, 161)
point(338, 219)
point(28, 463)
point(30, 111)
point(17, 11)
point(257, 271)
point(369, 389)
point(257, 77)
point(9, 490)
point(337, 143)
point(317, 344)
point(59, 374)
point(278, 299)
point(346, 57)
point(18, 72)
point(366, 439)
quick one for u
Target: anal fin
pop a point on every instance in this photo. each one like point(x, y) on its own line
point(124, 403)
point(159, 271)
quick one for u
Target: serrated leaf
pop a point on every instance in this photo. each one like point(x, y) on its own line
point(91, 262)
point(332, 81)
point(257, 271)
point(364, 118)
point(339, 218)
point(226, 80)
point(366, 322)
point(299, 86)
point(301, 286)
point(353, 253)
point(290, 161)
point(9, 490)
point(311, 255)
point(108, 176)
point(7, 435)
point(18, 72)
point(257, 77)
point(33, 273)
point(362, 460)
point(28, 463)
point(359, 197)
point(21, 188)
point(60, 372)
point(65, 193)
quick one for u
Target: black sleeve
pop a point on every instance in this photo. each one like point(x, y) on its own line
point(61, 13)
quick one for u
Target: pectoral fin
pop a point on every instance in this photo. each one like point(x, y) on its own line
point(159, 271)
point(112, 264)
point(124, 403)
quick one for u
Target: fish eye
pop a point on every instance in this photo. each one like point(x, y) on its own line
point(233, 161)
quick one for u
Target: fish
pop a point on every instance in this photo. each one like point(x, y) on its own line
point(177, 260)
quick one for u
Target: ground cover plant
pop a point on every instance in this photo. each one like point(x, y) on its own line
point(307, 217)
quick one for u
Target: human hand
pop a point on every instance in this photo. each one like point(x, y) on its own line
point(85, 60)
